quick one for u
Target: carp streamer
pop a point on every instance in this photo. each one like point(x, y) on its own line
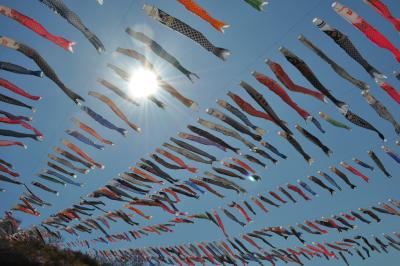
point(193, 7)
point(61, 9)
point(186, 30)
point(44, 66)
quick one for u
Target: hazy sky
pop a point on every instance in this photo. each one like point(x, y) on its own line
point(252, 37)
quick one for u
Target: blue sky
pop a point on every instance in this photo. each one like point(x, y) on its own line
point(252, 37)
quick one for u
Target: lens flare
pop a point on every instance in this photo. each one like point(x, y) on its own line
point(251, 178)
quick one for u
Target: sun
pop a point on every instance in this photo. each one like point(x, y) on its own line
point(143, 83)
